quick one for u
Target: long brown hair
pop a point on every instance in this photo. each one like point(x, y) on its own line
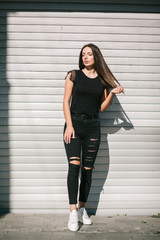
point(100, 66)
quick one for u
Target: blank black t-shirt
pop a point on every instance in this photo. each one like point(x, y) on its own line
point(86, 94)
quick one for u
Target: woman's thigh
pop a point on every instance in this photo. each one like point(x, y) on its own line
point(73, 149)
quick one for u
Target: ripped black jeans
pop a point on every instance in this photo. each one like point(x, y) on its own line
point(86, 141)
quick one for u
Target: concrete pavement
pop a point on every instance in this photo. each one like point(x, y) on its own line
point(50, 226)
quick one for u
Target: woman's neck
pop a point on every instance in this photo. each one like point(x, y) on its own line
point(90, 72)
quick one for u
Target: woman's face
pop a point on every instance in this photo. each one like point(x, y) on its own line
point(87, 57)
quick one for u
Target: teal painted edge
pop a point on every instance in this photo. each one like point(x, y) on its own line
point(81, 7)
point(144, 2)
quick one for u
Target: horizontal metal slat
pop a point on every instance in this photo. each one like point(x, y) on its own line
point(59, 145)
point(61, 83)
point(61, 75)
point(60, 122)
point(60, 91)
point(59, 129)
point(32, 114)
point(59, 98)
point(56, 67)
point(59, 137)
point(11, 28)
point(62, 196)
point(111, 15)
point(81, 36)
point(69, 53)
point(150, 61)
point(96, 175)
point(101, 159)
point(63, 167)
point(85, 20)
point(78, 44)
point(95, 182)
point(61, 152)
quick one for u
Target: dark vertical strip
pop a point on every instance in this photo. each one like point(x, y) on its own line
point(4, 130)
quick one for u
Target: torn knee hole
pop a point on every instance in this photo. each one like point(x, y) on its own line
point(75, 158)
point(91, 150)
point(75, 162)
point(94, 139)
point(87, 168)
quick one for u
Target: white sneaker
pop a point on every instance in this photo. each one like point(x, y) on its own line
point(83, 217)
point(73, 221)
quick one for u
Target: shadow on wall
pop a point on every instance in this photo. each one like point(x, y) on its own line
point(108, 126)
point(4, 132)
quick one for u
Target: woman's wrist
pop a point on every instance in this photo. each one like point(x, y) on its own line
point(113, 93)
point(69, 124)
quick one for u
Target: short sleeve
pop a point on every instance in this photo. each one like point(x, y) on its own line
point(73, 75)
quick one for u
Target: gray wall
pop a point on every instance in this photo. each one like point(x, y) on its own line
point(38, 48)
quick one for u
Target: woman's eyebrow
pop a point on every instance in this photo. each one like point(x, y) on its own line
point(87, 52)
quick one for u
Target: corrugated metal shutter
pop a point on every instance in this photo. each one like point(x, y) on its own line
point(41, 48)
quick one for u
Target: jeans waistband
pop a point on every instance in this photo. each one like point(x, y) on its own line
point(85, 116)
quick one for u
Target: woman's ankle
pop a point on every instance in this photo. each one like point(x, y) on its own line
point(81, 205)
point(73, 207)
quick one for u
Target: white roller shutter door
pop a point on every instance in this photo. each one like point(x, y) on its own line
point(41, 48)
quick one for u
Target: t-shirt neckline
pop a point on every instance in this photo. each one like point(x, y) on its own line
point(87, 76)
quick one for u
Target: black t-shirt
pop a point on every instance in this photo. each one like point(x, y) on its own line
point(86, 94)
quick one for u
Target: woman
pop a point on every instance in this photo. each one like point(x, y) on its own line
point(91, 88)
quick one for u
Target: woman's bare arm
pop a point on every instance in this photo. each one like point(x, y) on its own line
point(106, 100)
point(69, 132)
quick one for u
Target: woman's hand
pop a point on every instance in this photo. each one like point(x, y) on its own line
point(69, 133)
point(117, 90)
